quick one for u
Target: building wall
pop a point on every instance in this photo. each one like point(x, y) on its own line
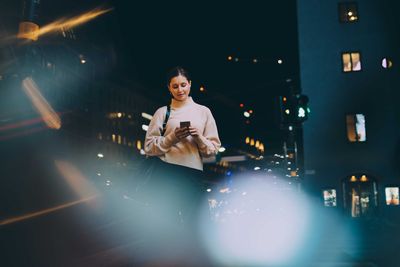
point(373, 91)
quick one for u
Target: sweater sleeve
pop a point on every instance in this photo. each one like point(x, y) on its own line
point(155, 143)
point(209, 141)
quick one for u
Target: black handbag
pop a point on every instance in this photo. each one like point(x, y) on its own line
point(148, 169)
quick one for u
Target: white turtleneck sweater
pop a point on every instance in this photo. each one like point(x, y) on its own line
point(185, 152)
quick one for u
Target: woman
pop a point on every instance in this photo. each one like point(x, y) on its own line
point(182, 148)
point(177, 189)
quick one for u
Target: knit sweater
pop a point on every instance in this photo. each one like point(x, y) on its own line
point(185, 152)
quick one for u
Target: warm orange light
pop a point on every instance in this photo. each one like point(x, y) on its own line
point(247, 140)
point(49, 116)
point(230, 58)
point(252, 142)
point(353, 18)
point(68, 23)
point(284, 99)
point(364, 178)
point(201, 88)
point(261, 147)
point(28, 30)
point(139, 144)
point(257, 144)
point(251, 111)
point(76, 180)
point(353, 179)
point(43, 212)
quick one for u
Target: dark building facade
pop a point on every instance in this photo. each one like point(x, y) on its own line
point(349, 68)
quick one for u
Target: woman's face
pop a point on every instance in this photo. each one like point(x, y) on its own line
point(179, 87)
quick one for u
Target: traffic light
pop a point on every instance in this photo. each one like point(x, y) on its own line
point(293, 109)
point(301, 108)
point(286, 109)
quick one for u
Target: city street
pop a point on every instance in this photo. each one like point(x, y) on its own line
point(90, 234)
point(261, 134)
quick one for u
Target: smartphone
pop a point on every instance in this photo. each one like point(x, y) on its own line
point(185, 124)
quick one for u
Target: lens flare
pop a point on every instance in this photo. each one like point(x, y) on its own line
point(68, 23)
point(266, 221)
point(45, 110)
point(258, 224)
point(44, 212)
point(32, 31)
point(75, 179)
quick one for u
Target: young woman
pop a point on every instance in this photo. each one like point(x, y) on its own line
point(184, 146)
point(189, 135)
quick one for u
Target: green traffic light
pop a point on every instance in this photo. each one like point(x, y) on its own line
point(301, 112)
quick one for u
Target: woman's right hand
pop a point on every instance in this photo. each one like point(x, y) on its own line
point(181, 133)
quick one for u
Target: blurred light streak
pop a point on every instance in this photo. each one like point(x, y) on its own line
point(68, 23)
point(24, 133)
point(49, 116)
point(43, 212)
point(20, 124)
point(59, 25)
point(75, 179)
point(25, 123)
point(147, 116)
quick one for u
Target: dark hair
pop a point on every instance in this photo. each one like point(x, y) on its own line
point(176, 72)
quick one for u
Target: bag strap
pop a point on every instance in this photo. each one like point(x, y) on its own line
point(164, 125)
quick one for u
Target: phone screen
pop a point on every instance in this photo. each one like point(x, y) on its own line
point(184, 124)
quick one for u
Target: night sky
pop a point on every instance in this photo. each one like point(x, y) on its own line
point(146, 39)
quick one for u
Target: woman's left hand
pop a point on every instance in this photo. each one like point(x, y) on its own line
point(194, 132)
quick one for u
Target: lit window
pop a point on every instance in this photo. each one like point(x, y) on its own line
point(356, 128)
point(348, 12)
point(330, 198)
point(386, 63)
point(351, 61)
point(252, 142)
point(392, 196)
point(139, 144)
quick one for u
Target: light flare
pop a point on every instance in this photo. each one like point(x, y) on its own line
point(68, 23)
point(32, 31)
point(50, 117)
point(75, 179)
point(43, 212)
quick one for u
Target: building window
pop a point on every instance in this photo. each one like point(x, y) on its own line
point(360, 195)
point(351, 61)
point(387, 63)
point(348, 12)
point(392, 196)
point(356, 131)
point(329, 198)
